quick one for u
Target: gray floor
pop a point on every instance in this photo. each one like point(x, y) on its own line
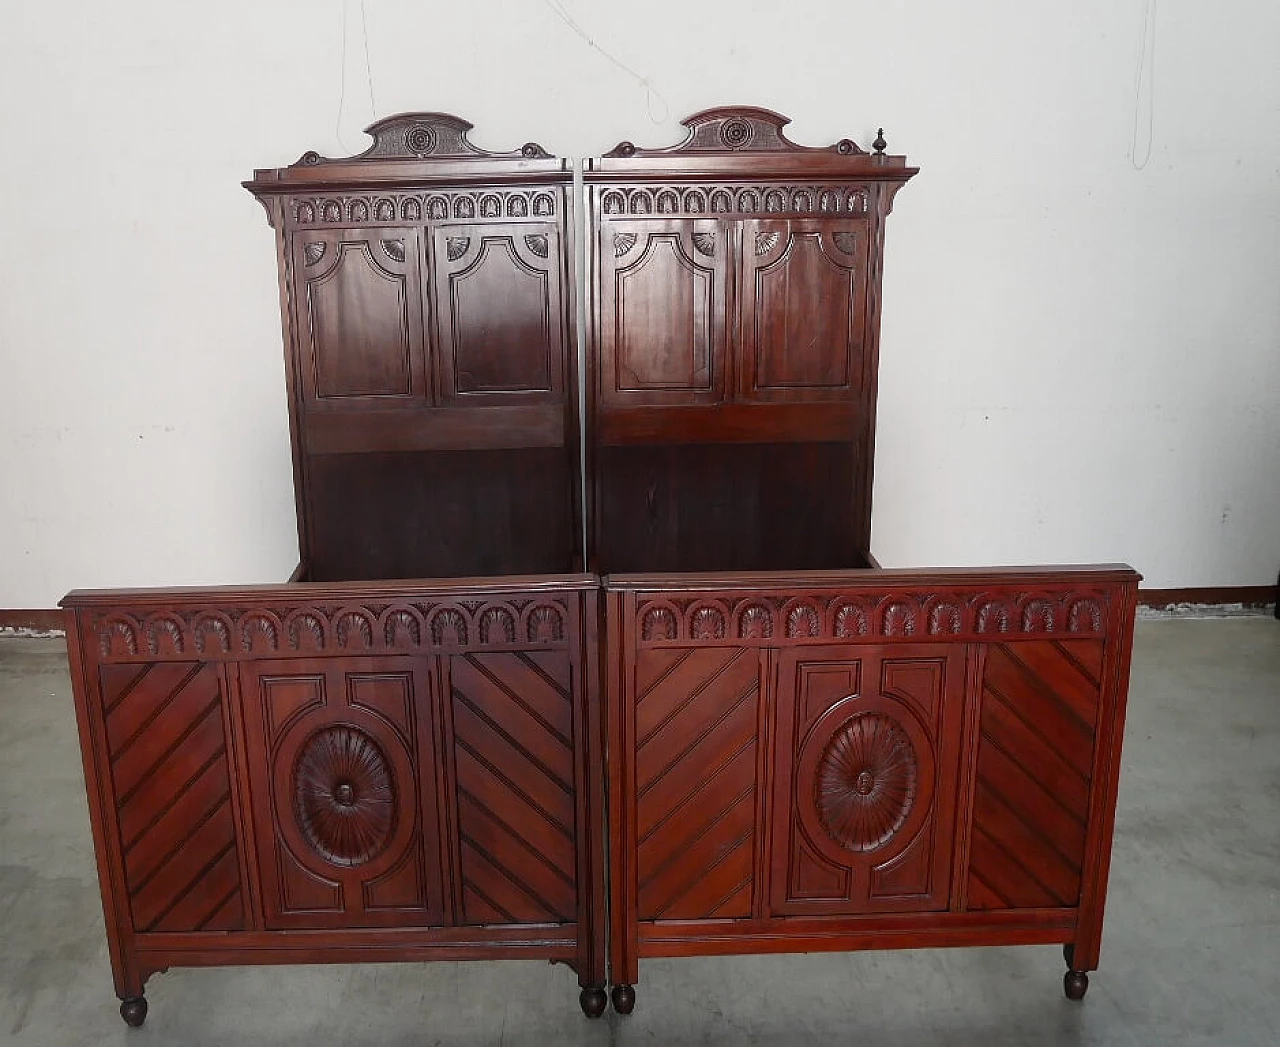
point(1191, 956)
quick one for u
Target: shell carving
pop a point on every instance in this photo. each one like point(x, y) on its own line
point(866, 782)
point(344, 798)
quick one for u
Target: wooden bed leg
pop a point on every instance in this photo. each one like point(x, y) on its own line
point(133, 1009)
point(593, 1000)
point(624, 998)
point(1075, 983)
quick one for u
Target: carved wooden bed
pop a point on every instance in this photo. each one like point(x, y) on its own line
point(804, 751)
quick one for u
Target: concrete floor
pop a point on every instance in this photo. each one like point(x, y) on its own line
point(1191, 955)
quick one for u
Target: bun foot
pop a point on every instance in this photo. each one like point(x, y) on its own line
point(134, 1011)
point(624, 998)
point(1075, 984)
point(593, 1001)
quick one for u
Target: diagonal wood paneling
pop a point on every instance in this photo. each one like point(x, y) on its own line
point(696, 737)
point(1035, 754)
point(513, 754)
point(169, 767)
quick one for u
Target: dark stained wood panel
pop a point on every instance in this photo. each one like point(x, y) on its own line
point(164, 726)
point(513, 745)
point(737, 507)
point(866, 768)
point(361, 313)
point(440, 514)
point(428, 310)
point(804, 309)
point(341, 752)
point(696, 739)
point(491, 354)
point(662, 286)
point(730, 276)
point(1034, 770)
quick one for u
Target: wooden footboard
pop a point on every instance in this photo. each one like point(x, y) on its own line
point(313, 773)
point(879, 759)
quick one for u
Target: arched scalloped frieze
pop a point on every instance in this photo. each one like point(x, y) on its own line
point(658, 623)
point(385, 210)
point(695, 201)
point(707, 621)
point(411, 209)
point(748, 201)
point(498, 625)
point(721, 202)
point(449, 628)
point(306, 631)
point(850, 619)
point(755, 622)
point(775, 201)
point(544, 205)
point(118, 637)
point(898, 619)
point(517, 206)
point(464, 207)
point(945, 619)
point(165, 635)
point(213, 634)
point(639, 201)
point(668, 202)
point(354, 630)
point(614, 203)
point(331, 211)
point(304, 213)
point(802, 620)
point(358, 211)
point(543, 623)
point(438, 208)
point(801, 201)
point(1084, 616)
point(1038, 616)
point(401, 627)
point(259, 631)
point(490, 206)
point(993, 617)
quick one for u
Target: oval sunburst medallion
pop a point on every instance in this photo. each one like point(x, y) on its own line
point(343, 795)
point(866, 782)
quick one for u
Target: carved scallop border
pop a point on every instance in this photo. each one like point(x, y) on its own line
point(821, 617)
point(223, 633)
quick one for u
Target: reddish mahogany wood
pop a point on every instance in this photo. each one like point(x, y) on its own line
point(734, 319)
point(426, 292)
point(321, 773)
point(800, 758)
point(874, 759)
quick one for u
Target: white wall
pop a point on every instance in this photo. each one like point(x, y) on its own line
point(1080, 360)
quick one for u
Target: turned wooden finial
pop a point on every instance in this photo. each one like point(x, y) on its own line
point(879, 145)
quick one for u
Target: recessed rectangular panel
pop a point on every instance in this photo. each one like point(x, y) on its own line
point(729, 507)
point(864, 787)
point(440, 514)
point(360, 313)
point(500, 311)
point(663, 311)
point(803, 308)
point(343, 788)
